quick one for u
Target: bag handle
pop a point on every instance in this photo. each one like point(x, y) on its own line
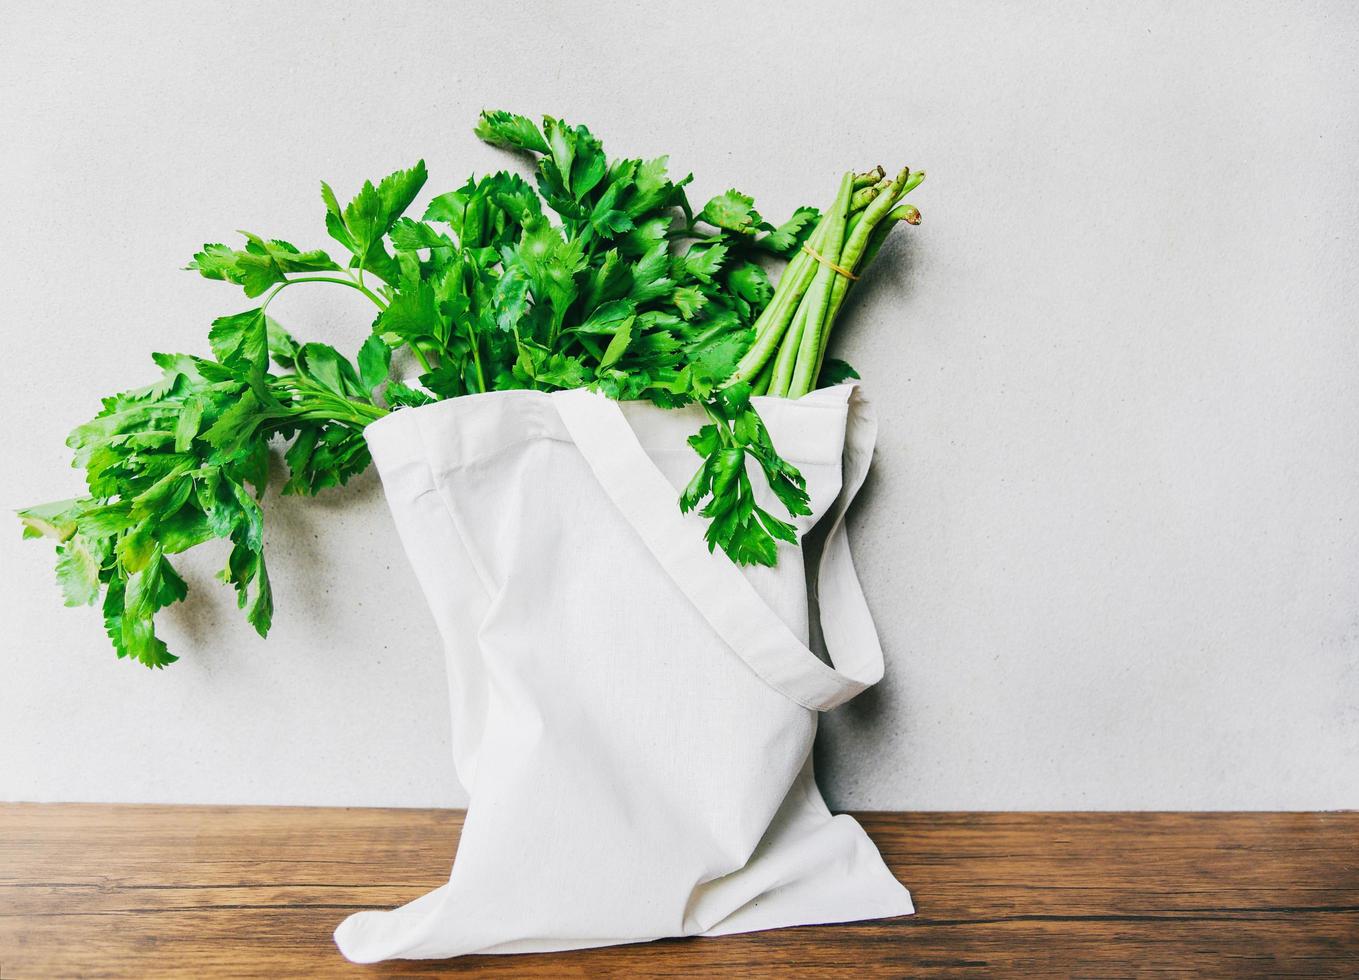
point(715, 586)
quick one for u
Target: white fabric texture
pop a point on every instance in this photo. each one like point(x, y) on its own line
point(632, 716)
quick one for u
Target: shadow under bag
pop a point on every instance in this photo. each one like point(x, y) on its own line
point(633, 717)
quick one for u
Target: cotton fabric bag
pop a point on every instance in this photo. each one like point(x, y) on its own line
point(632, 716)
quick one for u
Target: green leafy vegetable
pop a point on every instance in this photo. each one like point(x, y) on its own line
point(598, 274)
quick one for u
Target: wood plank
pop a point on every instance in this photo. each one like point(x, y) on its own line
point(159, 891)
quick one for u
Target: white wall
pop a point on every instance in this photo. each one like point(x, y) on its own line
point(1112, 539)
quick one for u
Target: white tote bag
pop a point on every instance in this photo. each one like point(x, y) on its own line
point(632, 716)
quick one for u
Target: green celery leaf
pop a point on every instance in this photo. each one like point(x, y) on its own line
point(607, 317)
point(834, 372)
point(703, 261)
point(242, 340)
point(650, 275)
point(689, 300)
point(186, 426)
point(733, 211)
point(412, 315)
point(54, 520)
point(375, 362)
point(715, 360)
point(751, 283)
point(652, 188)
point(618, 345)
point(259, 607)
point(187, 528)
point(513, 132)
point(400, 395)
point(326, 366)
point(409, 235)
point(364, 221)
point(260, 264)
point(79, 562)
point(234, 429)
point(282, 347)
point(446, 380)
point(551, 262)
point(790, 236)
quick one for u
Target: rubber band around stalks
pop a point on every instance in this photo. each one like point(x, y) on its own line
point(828, 263)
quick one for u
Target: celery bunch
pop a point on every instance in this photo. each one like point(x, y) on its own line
point(600, 274)
point(788, 355)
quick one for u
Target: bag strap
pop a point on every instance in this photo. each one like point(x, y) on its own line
point(715, 586)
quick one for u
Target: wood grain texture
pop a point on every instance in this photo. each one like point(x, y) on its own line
point(159, 891)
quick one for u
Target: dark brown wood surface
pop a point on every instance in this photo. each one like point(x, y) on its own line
point(151, 891)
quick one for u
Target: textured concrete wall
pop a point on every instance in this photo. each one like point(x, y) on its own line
point(1111, 537)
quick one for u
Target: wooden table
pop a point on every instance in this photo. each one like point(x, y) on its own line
point(150, 891)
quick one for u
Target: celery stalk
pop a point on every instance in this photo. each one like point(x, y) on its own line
point(818, 295)
point(781, 378)
point(771, 324)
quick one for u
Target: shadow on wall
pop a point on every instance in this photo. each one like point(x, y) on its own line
point(871, 719)
point(306, 570)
